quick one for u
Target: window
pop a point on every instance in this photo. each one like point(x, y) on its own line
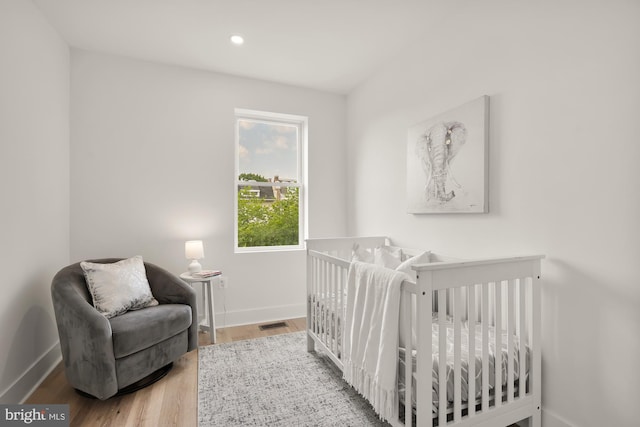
point(270, 192)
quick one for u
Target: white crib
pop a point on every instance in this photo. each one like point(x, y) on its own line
point(477, 299)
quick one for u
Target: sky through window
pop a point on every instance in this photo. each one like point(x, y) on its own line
point(268, 149)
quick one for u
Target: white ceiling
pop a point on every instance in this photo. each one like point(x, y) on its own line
point(330, 45)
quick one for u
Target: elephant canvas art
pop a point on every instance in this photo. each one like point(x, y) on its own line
point(436, 149)
point(447, 163)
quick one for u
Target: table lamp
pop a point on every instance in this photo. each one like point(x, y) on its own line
point(194, 250)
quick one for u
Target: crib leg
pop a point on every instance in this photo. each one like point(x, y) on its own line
point(311, 344)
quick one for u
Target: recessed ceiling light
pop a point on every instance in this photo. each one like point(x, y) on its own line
point(237, 39)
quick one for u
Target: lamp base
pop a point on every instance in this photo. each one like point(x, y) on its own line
point(195, 266)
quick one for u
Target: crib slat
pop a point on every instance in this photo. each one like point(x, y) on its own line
point(340, 312)
point(510, 332)
point(471, 362)
point(319, 295)
point(497, 363)
point(343, 298)
point(339, 316)
point(521, 336)
point(334, 308)
point(316, 285)
point(327, 305)
point(408, 360)
point(485, 347)
point(319, 299)
point(327, 298)
point(457, 344)
point(314, 301)
point(442, 357)
point(323, 281)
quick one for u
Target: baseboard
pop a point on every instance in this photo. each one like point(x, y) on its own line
point(260, 315)
point(549, 419)
point(26, 384)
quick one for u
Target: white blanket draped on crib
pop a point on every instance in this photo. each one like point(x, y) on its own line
point(371, 338)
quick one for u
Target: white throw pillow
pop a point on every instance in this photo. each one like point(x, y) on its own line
point(361, 254)
point(405, 266)
point(118, 287)
point(387, 256)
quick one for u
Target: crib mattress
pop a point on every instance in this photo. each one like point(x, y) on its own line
point(503, 354)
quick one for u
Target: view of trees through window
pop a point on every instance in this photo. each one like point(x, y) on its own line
point(268, 180)
point(267, 216)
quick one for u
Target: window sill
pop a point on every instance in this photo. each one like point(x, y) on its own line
point(269, 249)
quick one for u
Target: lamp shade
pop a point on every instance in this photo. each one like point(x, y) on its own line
point(193, 249)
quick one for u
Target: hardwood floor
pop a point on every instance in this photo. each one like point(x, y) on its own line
point(172, 401)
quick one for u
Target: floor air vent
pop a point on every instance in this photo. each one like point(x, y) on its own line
point(273, 326)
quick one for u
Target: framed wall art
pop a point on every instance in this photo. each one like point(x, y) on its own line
point(447, 161)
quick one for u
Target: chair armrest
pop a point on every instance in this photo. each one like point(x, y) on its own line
point(168, 288)
point(85, 337)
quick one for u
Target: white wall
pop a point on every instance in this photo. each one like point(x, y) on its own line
point(152, 165)
point(564, 153)
point(34, 189)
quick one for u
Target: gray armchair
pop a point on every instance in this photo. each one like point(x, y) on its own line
point(104, 356)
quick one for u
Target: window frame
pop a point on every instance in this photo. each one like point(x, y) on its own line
point(301, 122)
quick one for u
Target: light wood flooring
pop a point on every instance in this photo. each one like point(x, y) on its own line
point(172, 401)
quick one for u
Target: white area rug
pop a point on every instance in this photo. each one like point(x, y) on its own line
point(273, 381)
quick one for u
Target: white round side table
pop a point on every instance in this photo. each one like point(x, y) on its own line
point(207, 295)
